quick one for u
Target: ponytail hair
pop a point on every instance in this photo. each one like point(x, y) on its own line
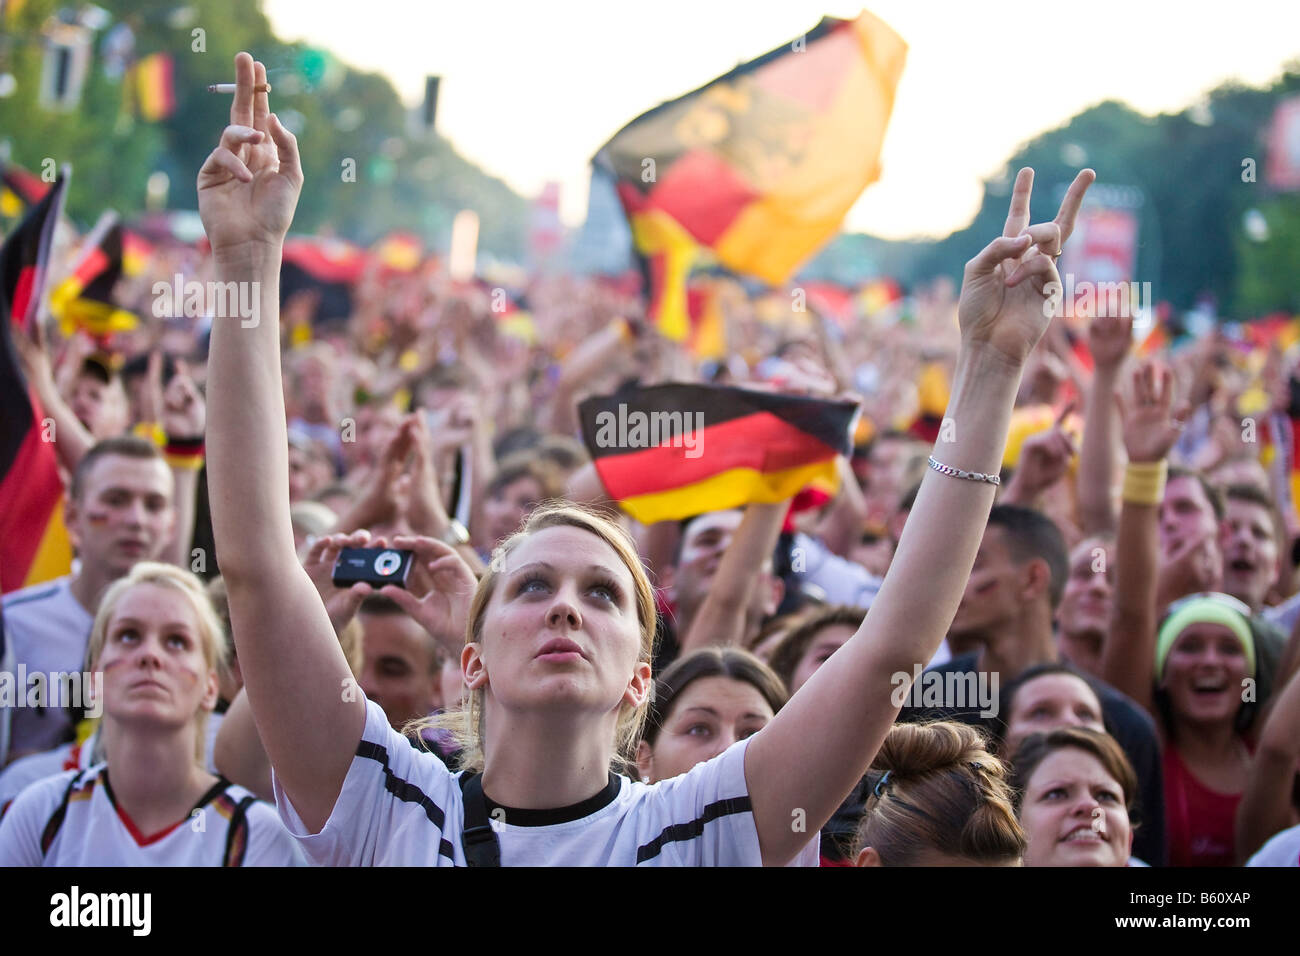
point(938, 789)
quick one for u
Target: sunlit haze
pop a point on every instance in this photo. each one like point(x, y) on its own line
point(530, 91)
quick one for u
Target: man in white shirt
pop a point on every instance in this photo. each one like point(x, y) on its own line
point(120, 510)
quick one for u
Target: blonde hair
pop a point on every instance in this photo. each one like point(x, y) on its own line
point(466, 725)
point(212, 637)
point(943, 791)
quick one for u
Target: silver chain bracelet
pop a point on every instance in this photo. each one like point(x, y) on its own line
point(952, 472)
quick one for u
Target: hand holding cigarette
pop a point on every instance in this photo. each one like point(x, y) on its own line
point(248, 186)
point(231, 87)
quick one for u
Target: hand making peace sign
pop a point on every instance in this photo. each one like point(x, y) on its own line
point(249, 185)
point(1004, 296)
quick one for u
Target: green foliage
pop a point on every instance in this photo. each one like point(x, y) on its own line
point(1191, 240)
point(404, 180)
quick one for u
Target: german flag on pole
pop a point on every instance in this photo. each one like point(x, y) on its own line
point(19, 190)
point(84, 300)
point(33, 541)
point(757, 168)
point(671, 451)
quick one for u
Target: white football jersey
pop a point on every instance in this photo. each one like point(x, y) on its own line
point(72, 819)
point(25, 771)
point(400, 806)
point(47, 630)
point(1282, 849)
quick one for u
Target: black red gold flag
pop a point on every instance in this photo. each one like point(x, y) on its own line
point(84, 300)
point(19, 190)
point(33, 540)
point(756, 170)
point(671, 451)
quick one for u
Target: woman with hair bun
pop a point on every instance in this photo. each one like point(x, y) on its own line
point(941, 799)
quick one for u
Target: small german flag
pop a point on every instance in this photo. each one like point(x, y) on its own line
point(33, 541)
point(19, 190)
point(84, 300)
point(671, 451)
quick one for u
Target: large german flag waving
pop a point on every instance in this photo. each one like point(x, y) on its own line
point(756, 169)
point(671, 451)
point(33, 543)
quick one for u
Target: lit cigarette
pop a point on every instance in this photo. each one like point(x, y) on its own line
point(230, 88)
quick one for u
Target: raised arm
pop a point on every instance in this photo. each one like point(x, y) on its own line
point(1109, 338)
point(184, 418)
point(801, 766)
point(71, 439)
point(1265, 807)
point(294, 670)
point(1128, 650)
point(721, 618)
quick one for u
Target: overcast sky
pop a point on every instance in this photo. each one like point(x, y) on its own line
point(531, 90)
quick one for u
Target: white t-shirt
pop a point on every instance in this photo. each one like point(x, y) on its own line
point(25, 771)
point(228, 828)
point(402, 807)
point(47, 630)
point(840, 580)
point(1282, 850)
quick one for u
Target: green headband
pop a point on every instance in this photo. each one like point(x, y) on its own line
point(1203, 611)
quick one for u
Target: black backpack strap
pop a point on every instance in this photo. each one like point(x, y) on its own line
point(237, 834)
point(55, 822)
point(478, 839)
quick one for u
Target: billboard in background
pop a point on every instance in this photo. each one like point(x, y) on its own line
point(1283, 169)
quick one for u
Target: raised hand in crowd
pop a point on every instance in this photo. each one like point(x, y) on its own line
point(248, 187)
point(1110, 340)
point(1150, 428)
point(846, 705)
point(1044, 460)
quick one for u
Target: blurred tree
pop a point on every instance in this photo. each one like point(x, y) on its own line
point(337, 113)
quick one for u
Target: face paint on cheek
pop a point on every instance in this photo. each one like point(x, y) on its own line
point(96, 519)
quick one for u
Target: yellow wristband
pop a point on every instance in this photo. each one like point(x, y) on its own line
point(1144, 482)
point(152, 431)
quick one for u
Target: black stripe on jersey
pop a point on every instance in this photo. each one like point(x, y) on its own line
point(55, 822)
point(407, 792)
point(237, 833)
point(689, 831)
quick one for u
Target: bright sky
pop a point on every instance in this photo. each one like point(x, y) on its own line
point(531, 90)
